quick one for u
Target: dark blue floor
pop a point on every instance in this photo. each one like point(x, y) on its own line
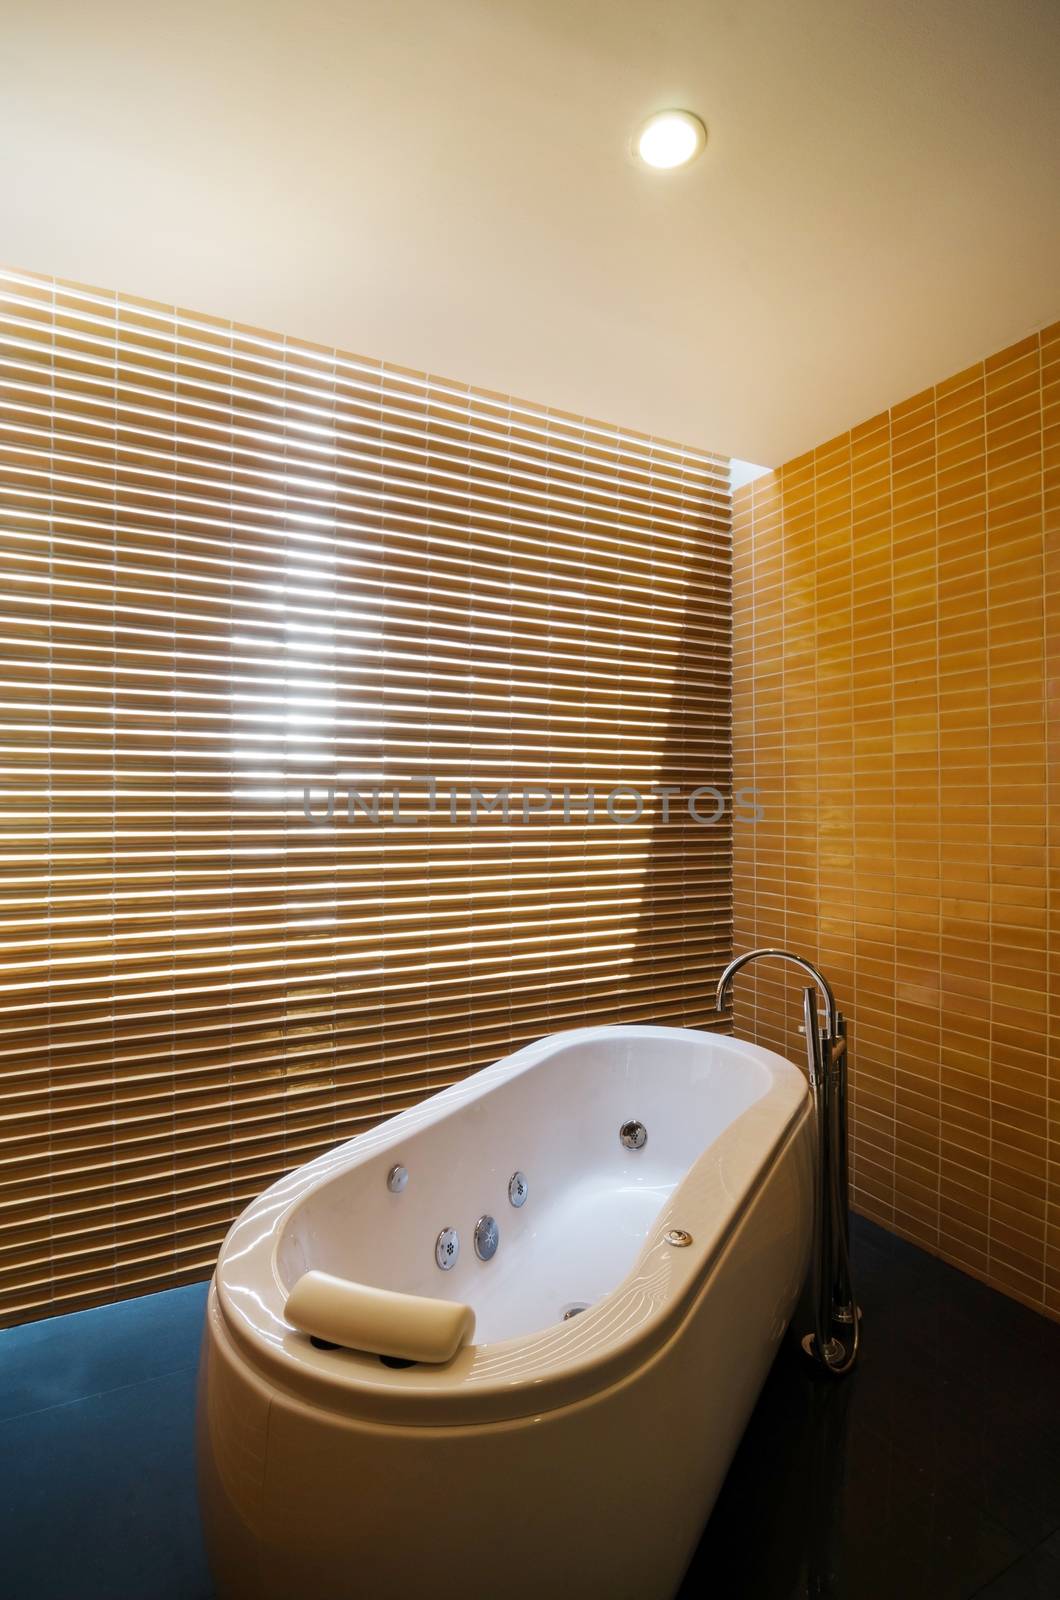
point(933, 1471)
point(97, 1482)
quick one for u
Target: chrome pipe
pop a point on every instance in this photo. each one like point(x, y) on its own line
point(826, 1058)
point(823, 1211)
point(842, 1290)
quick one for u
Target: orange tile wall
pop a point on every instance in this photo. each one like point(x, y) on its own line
point(896, 706)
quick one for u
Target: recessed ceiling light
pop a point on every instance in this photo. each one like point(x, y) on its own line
point(670, 139)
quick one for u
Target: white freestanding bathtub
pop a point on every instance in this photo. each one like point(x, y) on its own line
point(549, 1456)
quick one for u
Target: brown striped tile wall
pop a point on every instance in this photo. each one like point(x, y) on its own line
point(897, 610)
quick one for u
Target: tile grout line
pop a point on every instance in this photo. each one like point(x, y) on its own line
point(1031, 1550)
point(98, 1394)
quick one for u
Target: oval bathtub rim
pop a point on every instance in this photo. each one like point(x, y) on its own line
point(549, 1367)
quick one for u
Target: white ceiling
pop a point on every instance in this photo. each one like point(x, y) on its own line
point(447, 184)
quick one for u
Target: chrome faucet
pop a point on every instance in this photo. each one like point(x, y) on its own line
point(831, 1011)
point(826, 1054)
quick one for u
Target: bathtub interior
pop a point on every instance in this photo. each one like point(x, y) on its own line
point(591, 1202)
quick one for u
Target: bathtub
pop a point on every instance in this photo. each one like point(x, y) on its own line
point(623, 1328)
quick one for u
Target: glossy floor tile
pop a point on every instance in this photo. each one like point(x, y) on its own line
point(933, 1471)
point(67, 1358)
point(97, 1485)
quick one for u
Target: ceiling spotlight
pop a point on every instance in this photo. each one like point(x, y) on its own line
point(670, 139)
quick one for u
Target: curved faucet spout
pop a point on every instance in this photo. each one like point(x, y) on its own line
point(831, 1011)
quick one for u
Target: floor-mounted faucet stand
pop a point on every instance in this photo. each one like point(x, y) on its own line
point(836, 1334)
